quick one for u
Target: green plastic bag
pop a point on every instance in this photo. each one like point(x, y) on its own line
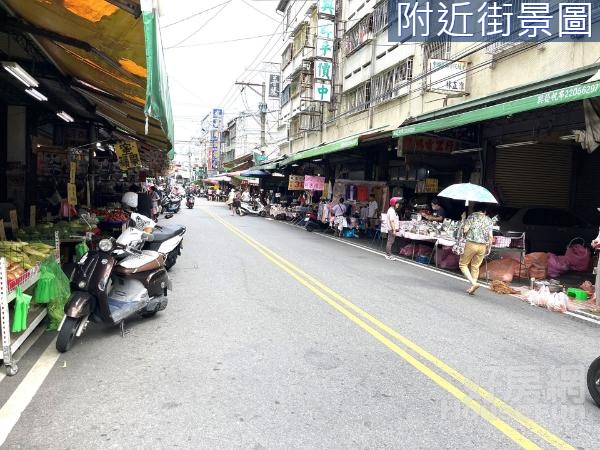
point(45, 290)
point(62, 292)
point(80, 250)
point(22, 302)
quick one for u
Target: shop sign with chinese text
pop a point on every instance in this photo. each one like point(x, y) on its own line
point(296, 183)
point(274, 85)
point(323, 69)
point(447, 76)
point(426, 144)
point(327, 7)
point(312, 183)
point(128, 155)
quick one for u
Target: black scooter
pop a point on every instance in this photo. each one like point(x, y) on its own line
point(171, 204)
point(189, 202)
point(112, 284)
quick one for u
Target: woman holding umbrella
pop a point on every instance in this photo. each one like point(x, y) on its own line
point(478, 229)
point(478, 232)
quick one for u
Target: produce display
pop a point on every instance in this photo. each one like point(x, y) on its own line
point(45, 231)
point(21, 257)
point(111, 215)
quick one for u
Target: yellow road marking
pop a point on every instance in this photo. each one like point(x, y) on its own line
point(469, 384)
point(471, 403)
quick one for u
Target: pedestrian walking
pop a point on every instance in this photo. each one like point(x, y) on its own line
point(393, 225)
point(155, 198)
point(230, 199)
point(479, 236)
point(338, 212)
point(237, 202)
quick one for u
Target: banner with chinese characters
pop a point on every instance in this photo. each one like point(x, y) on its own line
point(322, 91)
point(327, 7)
point(128, 155)
point(214, 150)
point(72, 194)
point(323, 69)
point(296, 183)
point(312, 183)
point(447, 76)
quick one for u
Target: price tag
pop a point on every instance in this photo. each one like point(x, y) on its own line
point(32, 214)
point(72, 172)
point(2, 232)
point(14, 221)
point(72, 194)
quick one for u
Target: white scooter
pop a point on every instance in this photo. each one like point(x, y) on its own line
point(167, 239)
point(253, 208)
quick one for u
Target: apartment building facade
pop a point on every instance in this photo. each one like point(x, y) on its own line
point(378, 86)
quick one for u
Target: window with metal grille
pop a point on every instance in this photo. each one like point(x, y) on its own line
point(359, 34)
point(392, 83)
point(285, 95)
point(286, 56)
point(300, 38)
point(380, 16)
point(357, 99)
point(438, 48)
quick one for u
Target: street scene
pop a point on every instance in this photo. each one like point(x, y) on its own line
point(299, 224)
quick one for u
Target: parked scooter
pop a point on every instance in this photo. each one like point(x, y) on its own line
point(168, 241)
point(254, 208)
point(113, 284)
point(171, 204)
point(190, 201)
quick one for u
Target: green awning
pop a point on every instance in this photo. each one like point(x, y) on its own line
point(532, 102)
point(158, 99)
point(332, 147)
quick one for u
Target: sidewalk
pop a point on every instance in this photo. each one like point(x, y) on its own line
point(581, 311)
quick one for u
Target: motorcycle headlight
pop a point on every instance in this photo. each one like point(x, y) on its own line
point(106, 245)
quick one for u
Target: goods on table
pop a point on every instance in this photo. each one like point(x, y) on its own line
point(22, 256)
point(111, 215)
point(46, 231)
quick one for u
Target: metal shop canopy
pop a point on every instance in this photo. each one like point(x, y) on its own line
point(332, 147)
point(542, 100)
point(112, 55)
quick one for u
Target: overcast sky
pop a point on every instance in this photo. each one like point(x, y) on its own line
point(202, 68)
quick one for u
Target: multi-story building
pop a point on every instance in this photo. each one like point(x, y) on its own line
point(496, 131)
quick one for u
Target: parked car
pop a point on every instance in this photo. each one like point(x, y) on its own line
point(546, 229)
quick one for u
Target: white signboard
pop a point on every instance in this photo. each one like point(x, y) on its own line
point(327, 7)
point(324, 48)
point(450, 76)
point(325, 29)
point(322, 91)
point(323, 69)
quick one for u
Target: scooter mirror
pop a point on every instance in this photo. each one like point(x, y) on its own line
point(147, 237)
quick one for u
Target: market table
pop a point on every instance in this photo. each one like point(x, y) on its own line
point(436, 240)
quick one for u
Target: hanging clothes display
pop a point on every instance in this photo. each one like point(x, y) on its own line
point(362, 193)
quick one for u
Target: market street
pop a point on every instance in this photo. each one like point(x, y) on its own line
point(278, 338)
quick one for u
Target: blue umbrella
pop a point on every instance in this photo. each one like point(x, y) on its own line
point(469, 193)
point(253, 173)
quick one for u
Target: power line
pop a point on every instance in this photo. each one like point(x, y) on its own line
point(223, 6)
point(259, 11)
point(223, 42)
point(196, 14)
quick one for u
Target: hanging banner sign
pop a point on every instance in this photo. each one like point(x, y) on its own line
point(323, 69)
point(296, 183)
point(324, 48)
point(128, 155)
point(447, 76)
point(426, 144)
point(314, 183)
point(327, 7)
point(322, 91)
point(14, 221)
point(72, 194)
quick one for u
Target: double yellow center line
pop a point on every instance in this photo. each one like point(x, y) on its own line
point(393, 340)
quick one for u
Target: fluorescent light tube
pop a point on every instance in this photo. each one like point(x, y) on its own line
point(20, 74)
point(64, 116)
point(37, 95)
point(516, 144)
point(465, 150)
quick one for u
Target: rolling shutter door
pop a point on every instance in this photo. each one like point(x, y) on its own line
point(587, 196)
point(535, 175)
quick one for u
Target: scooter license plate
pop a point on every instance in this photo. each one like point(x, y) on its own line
point(306, 219)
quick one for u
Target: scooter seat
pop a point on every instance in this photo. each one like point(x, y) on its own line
point(146, 262)
point(166, 232)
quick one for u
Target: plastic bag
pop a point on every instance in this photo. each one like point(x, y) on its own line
point(557, 265)
point(56, 289)
point(22, 302)
point(558, 302)
point(500, 269)
point(578, 257)
point(539, 298)
point(408, 250)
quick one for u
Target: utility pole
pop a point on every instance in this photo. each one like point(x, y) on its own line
point(262, 109)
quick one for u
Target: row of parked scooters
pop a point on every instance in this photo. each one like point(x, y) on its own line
point(124, 277)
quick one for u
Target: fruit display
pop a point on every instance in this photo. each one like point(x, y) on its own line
point(111, 215)
point(22, 256)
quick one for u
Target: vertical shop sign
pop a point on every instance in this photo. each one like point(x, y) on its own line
point(274, 85)
point(72, 171)
point(323, 65)
point(215, 139)
point(72, 194)
point(327, 7)
point(322, 91)
point(323, 69)
point(128, 155)
point(325, 48)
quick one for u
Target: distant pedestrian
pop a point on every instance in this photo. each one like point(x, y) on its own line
point(230, 199)
point(155, 197)
point(338, 212)
point(478, 230)
point(393, 225)
point(237, 202)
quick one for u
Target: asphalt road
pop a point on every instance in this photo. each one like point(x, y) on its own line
point(279, 338)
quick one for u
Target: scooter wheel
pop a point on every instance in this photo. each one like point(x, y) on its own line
point(593, 380)
point(67, 333)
